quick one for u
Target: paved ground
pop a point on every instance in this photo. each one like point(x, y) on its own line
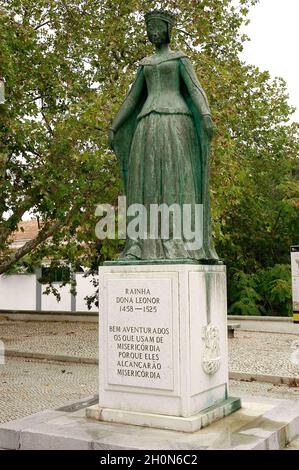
point(261, 389)
point(251, 352)
point(63, 338)
point(28, 386)
point(262, 353)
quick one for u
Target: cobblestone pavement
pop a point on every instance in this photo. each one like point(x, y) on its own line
point(28, 386)
point(250, 352)
point(262, 389)
point(262, 353)
point(76, 339)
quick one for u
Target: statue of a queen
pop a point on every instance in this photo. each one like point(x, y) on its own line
point(161, 136)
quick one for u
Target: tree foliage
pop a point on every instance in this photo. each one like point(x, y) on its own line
point(267, 291)
point(67, 65)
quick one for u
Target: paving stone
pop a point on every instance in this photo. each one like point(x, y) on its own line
point(10, 432)
point(36, 440)
point(80, 339)
point(30, 386)
point(267, 390)
point(77, 339)
point(262, 353)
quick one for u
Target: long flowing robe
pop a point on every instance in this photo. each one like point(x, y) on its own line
point(165, 128)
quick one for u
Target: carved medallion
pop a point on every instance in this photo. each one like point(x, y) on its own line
point(211, 355)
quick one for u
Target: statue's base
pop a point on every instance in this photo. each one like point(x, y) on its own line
point(174, 423)
point(163, 344)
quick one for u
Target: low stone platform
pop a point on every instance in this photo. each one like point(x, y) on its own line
point(260, 424)
point(159, 421)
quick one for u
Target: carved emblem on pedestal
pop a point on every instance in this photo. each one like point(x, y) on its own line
point(211, 354)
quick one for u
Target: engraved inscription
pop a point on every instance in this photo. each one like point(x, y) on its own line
point(139, 329)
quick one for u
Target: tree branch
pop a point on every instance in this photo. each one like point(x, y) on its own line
point(9, 226)
point(42, 24)
point(31, 101)
point(47, 231)
point(47, 123)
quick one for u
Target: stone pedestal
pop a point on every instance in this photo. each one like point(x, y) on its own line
point(163, 346)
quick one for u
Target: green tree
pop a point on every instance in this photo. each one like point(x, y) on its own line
point(67, 66)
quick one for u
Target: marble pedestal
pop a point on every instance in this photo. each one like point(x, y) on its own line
point(163, 346)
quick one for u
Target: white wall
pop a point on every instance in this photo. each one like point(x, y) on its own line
point(84, 288)
point(50, 302)
point(18, 292)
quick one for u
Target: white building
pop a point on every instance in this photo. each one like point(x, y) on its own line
point(24, 292)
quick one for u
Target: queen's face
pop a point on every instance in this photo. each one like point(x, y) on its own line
point(157, 32)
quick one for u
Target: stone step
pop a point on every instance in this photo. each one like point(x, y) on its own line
point(257, 426)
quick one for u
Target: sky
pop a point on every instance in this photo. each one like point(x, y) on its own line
point(274, 45)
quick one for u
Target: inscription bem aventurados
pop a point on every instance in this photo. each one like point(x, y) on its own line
point(140, 333)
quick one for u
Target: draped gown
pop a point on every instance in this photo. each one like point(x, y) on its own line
point(163, 152)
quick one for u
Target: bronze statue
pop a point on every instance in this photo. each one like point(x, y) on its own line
point(161, 136)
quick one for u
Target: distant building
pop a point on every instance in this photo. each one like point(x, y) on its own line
point(22, 291)
point(27, 230)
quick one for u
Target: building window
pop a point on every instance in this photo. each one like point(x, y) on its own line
point(57, 274)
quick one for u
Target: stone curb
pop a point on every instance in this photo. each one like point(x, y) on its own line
point(239, 376)
point(273, 379)
point(51, 357)
point(260, 318)
point(52, 317)
point(90, 313)
point(93, 316)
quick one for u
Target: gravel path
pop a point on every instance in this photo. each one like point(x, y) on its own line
point(76, 339)
point(262, 353)
point(30, 386)
point(250, 352)
point(27, 386)
point(262, 389)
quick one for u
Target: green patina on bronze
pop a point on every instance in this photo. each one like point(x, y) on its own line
point(161, 136)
